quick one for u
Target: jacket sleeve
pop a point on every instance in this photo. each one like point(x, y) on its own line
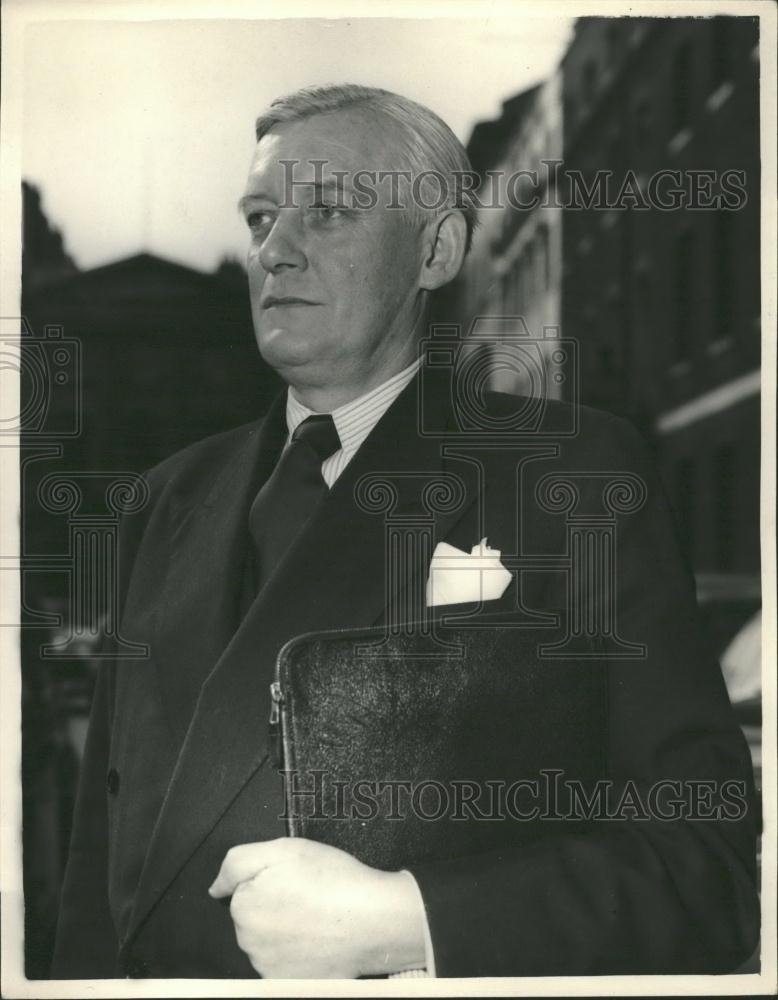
point(637, 894)
point(86, 945)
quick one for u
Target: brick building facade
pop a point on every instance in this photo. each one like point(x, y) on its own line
point(648, 135)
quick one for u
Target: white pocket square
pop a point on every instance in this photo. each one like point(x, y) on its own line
point(458, 577)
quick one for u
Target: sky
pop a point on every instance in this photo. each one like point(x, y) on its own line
point(139, 133)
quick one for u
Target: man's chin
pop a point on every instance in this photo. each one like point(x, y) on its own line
point(286, 348)
point(293, 360)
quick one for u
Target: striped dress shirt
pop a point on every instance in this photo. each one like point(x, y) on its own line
point(353, 421)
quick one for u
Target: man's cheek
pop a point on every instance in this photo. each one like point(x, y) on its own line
point(256, 272)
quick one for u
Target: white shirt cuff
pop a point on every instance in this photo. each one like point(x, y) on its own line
point(429, 970)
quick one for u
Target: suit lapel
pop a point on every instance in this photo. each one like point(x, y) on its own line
point(333, 577)
point(205, 573)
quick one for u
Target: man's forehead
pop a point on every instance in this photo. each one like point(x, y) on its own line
point(348, 140)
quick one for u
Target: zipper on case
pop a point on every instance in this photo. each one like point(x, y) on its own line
point(274, 724)
point(278, 751)
point(277, 726)
point(278, 723)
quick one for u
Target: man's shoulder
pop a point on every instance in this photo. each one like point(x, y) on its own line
point(578, 428)
point(206, 456)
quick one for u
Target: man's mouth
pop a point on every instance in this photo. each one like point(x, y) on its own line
point(274, 301)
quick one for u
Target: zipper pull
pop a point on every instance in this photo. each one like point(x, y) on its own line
point(274, 724)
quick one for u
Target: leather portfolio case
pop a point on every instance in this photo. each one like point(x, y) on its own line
point(403, 748)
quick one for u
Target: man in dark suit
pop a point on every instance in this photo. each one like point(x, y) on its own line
point(179, 865)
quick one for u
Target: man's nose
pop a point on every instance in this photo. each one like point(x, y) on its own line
point(283, 246)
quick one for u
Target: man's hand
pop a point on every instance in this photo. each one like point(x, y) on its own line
point(306, 910)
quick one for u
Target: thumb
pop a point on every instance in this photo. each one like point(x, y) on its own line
point(242, 863)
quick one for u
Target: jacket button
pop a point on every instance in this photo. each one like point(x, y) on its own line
point(112, 782)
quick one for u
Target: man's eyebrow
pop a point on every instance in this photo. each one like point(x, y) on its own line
point(318, 187)
point(244, 202)
point(331, 185)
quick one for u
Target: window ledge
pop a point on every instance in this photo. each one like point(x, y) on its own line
point(679, 140)
point(719, 96)
point(679, 369)
point(719, 346)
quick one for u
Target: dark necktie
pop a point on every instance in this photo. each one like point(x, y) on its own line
point(287, 500)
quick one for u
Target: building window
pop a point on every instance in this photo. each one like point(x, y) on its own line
point(684, 296)
point(612, 40)
point(544, 259)
point(530, 283)
point(682, 87)
point(643, 304)
point(505, 293)
point(686, 510)
point(724, 492)
point(606, 361)
point(589, 80)
point(723, 274)
point(516, 288)
point(510, 300)
point(720, 50)
point(638, 31)
point(642, 118)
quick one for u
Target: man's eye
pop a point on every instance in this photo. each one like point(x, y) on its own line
point(259, 220)
point(326, 212)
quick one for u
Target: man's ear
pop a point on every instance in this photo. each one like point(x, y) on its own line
point(445, 239)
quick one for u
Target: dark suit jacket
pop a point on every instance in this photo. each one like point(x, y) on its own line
point(176, 768)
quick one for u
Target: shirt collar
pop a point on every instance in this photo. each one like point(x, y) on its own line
point(355, 420)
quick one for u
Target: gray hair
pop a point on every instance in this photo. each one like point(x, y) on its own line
point(429, 145)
